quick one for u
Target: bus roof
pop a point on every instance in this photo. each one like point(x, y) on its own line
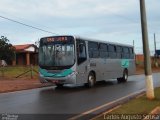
point(94, 40)
point(102, 41)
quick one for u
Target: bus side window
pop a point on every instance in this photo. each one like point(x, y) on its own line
point(93, 49)
point(112, 51)
point(81, 51)
point(126, 54)
point(131, 53)
point(119, 52)
point(103, 50)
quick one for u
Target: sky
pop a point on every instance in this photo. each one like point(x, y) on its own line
point(109, 20)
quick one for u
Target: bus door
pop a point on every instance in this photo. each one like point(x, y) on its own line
point(81, 62)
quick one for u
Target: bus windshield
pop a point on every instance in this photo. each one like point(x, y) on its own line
point(56, 53)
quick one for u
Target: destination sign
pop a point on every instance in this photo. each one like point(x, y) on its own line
point(53, 39)
point(57, 40)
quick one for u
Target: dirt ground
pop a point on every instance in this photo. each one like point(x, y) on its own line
point(140, 70)
point(17, 84)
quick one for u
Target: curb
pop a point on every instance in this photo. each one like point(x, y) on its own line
point(91, 114)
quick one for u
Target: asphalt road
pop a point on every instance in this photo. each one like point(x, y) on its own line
point(68, 102)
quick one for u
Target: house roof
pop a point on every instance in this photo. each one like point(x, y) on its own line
point(23, 47)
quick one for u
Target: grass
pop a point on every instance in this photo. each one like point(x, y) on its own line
point(14, 71)
point(139, 105)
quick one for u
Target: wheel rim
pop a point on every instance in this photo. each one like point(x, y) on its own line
point(91, 80)
point(125, 76)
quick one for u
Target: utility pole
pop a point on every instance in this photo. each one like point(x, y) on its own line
point(155, 46)
point(134, 52)
point(147, 59)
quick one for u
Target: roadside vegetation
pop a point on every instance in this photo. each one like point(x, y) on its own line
point(19, 72)
point(9, 82)
point(7, 51)
point(140, 105)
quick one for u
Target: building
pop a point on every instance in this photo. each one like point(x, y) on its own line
point(26, 55)
point(139, 58)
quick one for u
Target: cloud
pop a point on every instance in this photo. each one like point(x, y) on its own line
point(67, 8)
point(117, 20)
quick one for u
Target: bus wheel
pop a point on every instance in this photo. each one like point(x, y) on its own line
point(59, 85)
point(125, 75)
point(124, 78)
point(91, 80)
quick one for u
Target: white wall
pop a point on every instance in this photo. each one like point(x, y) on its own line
point(30, 49)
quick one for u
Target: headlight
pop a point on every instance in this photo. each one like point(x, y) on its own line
point(73, 73)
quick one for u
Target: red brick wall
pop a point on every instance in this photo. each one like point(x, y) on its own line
point(139, 58)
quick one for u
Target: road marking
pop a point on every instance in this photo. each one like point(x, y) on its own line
point(106, 112)
point(112, 109)
point(140, 95)
point(104, 105)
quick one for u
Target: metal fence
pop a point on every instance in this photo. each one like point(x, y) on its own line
point(19, 71)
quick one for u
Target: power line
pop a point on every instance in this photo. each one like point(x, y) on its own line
point(27, 25)
point(125, 18)
point(121, 16)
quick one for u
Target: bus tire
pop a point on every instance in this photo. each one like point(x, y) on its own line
point(91, 79)
point(124, 78)
point(125, 75)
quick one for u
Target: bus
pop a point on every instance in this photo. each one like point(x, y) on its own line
point(71, 60)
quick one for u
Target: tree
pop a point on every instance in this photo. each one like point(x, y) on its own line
point(7, 51)
point(37, 43)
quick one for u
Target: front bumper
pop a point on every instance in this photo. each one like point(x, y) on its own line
point(70, 79)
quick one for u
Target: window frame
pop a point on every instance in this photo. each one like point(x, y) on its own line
point(78, 49)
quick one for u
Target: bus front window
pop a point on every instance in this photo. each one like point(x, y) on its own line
point(56, 55)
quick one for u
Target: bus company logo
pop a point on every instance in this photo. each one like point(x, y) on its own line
point(125, 63)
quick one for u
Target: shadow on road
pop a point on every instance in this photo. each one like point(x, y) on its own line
point(82, 88)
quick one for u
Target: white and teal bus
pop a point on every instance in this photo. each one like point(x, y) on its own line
point(75, 61)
